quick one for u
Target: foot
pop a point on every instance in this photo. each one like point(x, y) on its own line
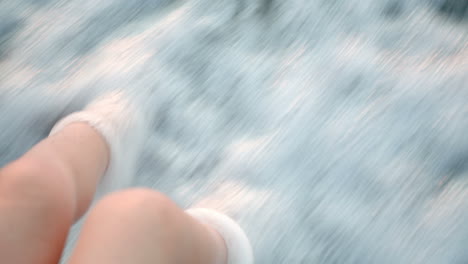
point(239, 250)
point(122, 125)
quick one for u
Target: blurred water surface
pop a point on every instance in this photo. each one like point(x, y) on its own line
point(334, 131)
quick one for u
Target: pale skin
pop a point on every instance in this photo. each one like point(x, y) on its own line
point(46, 190)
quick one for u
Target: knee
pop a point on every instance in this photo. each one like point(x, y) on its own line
point(140, 204)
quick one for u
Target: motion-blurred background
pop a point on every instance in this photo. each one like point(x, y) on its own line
point(334, 131)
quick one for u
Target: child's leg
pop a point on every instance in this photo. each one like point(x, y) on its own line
point(43, 192)
point(140, 226)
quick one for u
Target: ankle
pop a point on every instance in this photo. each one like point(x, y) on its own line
point(237, 247)
point(220, 252)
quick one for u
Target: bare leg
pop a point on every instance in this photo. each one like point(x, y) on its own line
point(53, 184)
point(141, 226)
point(46, 190)
point(43, 192)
